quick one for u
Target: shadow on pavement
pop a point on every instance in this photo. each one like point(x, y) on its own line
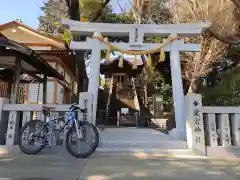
point(48, 165)
point(132, 168)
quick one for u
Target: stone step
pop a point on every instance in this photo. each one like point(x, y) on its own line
point(133, 134)
point(138, 138)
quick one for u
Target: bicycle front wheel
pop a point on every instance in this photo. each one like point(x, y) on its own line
point(87, 144)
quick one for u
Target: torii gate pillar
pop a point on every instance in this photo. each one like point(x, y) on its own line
point(93, 83)
point(178, 94)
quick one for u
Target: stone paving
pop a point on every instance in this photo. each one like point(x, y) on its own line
point(62, 166)
point(44, 166)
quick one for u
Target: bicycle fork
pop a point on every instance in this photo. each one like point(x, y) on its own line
point(79, 133)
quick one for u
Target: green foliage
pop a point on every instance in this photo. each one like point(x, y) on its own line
point(88, 7)
point(161, 87)
point(117, 18)
point(67, 36)
point(153, 39)
point(53, 12)
point(160, 12)
point(226, 92)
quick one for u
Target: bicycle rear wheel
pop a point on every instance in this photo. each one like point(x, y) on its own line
point(84, 147)
point(35, 141)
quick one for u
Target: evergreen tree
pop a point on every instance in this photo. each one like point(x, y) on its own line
point(54, 11)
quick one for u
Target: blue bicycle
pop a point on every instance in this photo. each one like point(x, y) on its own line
point(81, 139)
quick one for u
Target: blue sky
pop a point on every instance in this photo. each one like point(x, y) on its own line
point(27, 10)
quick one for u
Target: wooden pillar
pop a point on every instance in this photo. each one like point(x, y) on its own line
point(72, 92)
point(44, 100)
point(16, 81)
point(9, 88)
point(44, 95)
point(13, 121)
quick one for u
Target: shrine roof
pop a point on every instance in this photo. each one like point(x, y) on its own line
point(21, 33)
point(67, 57)
point(32, 63)
point(110, 67)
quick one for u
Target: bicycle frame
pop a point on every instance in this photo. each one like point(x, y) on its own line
point(71, 118)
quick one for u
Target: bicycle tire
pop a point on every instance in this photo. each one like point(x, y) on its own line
point(20, 144)
point(94, 146)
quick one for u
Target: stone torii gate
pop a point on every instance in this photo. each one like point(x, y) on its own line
point(136, 33)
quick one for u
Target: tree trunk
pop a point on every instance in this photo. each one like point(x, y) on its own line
point(193, 87)
point(145, 95)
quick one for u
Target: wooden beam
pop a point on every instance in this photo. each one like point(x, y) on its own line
point(38, 45)
point(35, 107)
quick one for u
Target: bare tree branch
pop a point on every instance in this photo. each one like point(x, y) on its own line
point(98, 14)
point(237, 3)
point(222, 14)
point(120, 6)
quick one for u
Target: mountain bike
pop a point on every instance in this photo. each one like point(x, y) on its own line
point(41, 133)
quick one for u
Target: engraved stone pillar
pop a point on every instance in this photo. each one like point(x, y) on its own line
point(195, 128)
point(224, 126)
point(3, 120)
point(212, 130)
point(86, 102)
point(236, 129)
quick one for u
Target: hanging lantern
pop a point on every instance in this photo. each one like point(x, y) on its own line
point(134, 66)
point(120, 63)
point(162, 55)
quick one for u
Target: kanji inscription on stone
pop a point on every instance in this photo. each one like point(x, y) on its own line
point(196, 112)
point(11, 122)
point(198, 139)
point(136, 35)
point(213, 127)
point(195, 103)
point(10, 136)
point(196, 122)
point(85, 107)
point(197, 129)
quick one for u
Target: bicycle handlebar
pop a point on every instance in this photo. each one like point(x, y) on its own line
point(75, 106)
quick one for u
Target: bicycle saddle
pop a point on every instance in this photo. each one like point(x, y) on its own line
point(46, 110)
